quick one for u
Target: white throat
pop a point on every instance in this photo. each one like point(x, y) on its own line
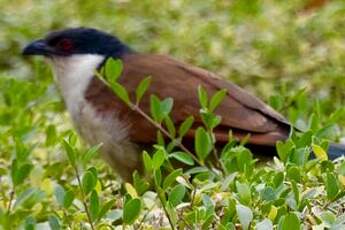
point(73, 75)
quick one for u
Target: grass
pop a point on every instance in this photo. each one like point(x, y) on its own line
point(294, 60)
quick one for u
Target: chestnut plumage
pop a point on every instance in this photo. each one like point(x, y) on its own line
point(241, 112)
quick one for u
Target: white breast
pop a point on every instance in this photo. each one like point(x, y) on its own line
point(73, 75)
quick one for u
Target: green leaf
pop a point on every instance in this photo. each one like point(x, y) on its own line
point(244, 193)
point(266, 224)
point(314, 122)
point(278, 179)
point(105, 208)
point(72, 138)
point(290, 221)
point(203, 97)
point(203, 143)
point(121, 92)
point(217, 99)
point(59, 193)
point(160, 109)
point(28, 198)
point(147, 162)
point(210, 120)
point(185, 126)
point(158, 159)
point(158, 177)
point(341, 168)
point(113, 69)
point(51, 135)
point(284, 149)
point(304, 140)
point(328, 218)
point(182, 157)
point(160, 138)
point(22, 151)
point(89, 182)
point(140, 184)
point(207, 223)
point(245, 215)
point(299, 156)
point(273, 213)
point(268, 194)
point(155, 108)
point(170, 125)
point(20, 172)
point(131, 190)
point(171, 178)
point(91, 153)
point(319, 152)
point(294, 173)
point(332, 186)
point(68, 199)
point(131, 211)
point(207, 202)
point(166, 106)
point(244, 159)
point(142, 88)
point(277, 102)
point(30, 223)
point(70, 152)
point(54, 223)
point(176, 195)
point(296, 192)
point(63, 197)
point(94, 205)
point(171, 211)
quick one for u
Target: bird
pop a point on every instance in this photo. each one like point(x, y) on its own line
point(99, 116)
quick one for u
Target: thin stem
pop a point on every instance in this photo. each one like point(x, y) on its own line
point(164, 208)
point(66, 217)
point(137, 109)
point(83, 198)
point(193, 197)
point(144, 217)
point(165, 132)
point(10, 201)
point(215, 152)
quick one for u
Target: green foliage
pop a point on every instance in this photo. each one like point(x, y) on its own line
point(50, 180)
point(245, 215)
point(131, 210)
point(121, 92)
point(182, 157)
point(160, 109)
point(203, 143)
point(141, 89)
point(113, 70)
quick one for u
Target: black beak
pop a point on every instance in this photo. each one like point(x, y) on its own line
point(38, 47)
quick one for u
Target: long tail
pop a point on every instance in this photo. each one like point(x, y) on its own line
point(335, 151)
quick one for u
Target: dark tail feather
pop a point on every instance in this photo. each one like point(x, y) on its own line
point(335, 151)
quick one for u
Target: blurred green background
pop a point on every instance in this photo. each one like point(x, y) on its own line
point(272, 48)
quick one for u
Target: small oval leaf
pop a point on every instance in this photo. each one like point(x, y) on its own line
point(142, 88)
point(131, 211)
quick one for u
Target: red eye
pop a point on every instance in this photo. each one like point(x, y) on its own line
point(65, 44)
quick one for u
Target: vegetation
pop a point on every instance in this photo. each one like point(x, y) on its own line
point(293, 59)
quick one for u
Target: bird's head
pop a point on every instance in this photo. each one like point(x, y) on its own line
point(76, 52)
point(77, 41)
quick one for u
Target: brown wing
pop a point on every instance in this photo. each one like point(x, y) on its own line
point(241, 112)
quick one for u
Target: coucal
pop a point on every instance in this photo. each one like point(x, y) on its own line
point(101, 117)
